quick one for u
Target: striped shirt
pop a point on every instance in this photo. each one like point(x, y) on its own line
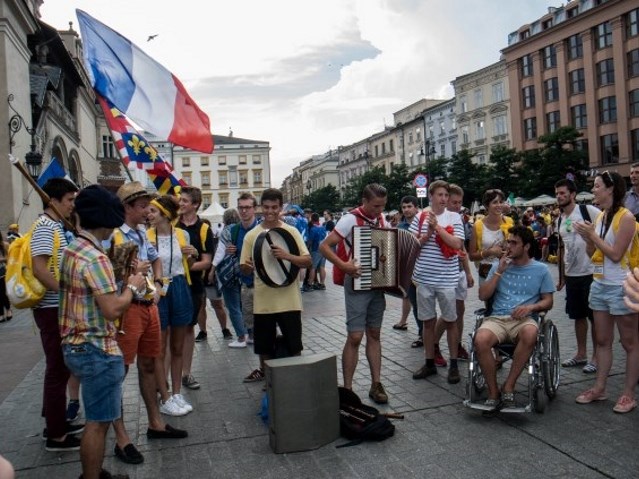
point(42, 245)
point(431, 267)
point(86, 272)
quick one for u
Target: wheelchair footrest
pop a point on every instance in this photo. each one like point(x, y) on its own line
point(479, 406)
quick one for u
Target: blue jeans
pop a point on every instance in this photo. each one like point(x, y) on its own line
point(101, 377)
point(232, 300)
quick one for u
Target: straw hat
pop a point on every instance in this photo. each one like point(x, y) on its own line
point(132, 191)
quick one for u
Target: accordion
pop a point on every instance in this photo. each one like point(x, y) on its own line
point(386, 258)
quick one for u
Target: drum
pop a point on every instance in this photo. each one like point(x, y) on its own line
point(274, 272)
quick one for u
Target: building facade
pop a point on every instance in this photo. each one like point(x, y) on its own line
point(49, 113)
point(236, 166)
point(579, 65)
point(482, 102)
point(440, 139)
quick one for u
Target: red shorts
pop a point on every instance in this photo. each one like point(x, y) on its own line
point(141, 326)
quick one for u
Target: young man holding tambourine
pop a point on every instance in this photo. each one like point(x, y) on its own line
point(275, 304)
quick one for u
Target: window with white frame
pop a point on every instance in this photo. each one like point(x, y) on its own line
point(498, 92)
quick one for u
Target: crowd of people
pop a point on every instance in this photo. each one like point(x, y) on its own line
point(130, 284)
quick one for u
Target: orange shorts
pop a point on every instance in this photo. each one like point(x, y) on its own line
point(141, 326)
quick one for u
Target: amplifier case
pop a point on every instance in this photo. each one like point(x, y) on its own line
point(303, 402)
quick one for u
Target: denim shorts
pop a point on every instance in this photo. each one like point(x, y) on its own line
point(608, 298)
point(101, 377)
point(176, 307)
point(318, 260)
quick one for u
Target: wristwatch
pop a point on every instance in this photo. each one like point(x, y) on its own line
point(133, 289)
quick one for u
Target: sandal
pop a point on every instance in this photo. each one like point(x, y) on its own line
point(419, 343)
point(401, 327)
point(625, 404)
point(590, 368)
point(572, 362)
point(591, 395)
point(508, 399)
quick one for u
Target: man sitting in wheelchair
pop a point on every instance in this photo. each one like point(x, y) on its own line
point(518, 288)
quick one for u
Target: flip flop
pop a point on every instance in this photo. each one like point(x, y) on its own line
point(572, 362)
point(419, 343)
point(590, 368)
point(402, 327)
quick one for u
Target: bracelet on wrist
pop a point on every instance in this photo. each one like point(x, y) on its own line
point(133, 289)
point(497, 273)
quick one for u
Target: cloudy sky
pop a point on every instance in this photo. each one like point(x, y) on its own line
point(309, 75)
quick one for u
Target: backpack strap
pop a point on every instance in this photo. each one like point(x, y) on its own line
point(183, 241)
point(203, 230)
point(235, 233)
point(477, 227)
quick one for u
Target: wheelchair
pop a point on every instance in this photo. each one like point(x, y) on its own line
point(543, 369)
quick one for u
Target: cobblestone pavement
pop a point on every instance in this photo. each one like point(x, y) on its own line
point(437, 438)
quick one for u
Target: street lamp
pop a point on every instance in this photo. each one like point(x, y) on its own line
point(33, 158)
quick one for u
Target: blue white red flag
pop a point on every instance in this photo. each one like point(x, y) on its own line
point(133, 147)
point(142, 88)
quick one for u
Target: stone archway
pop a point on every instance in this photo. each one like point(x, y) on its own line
point(59, 151)
point(75, 168)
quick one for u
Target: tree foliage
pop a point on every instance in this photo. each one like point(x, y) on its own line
point(527, 174)
point(326, 198)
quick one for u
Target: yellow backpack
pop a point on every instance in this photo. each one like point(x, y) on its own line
point(23, 288)
point(630, 260)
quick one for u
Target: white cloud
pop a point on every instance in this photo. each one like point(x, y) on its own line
point(310, 75)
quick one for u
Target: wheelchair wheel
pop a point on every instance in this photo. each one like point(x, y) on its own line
point(550, 364)
point(539, 400)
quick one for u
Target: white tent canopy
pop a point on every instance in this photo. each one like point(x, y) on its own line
point(213, 213)
point(585, 196)
point(541, 200)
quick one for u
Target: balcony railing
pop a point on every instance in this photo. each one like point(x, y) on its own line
point(60, 111)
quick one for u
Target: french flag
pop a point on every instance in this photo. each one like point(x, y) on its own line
point(141, 88)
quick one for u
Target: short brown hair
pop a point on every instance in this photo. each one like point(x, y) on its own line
point(247, 196)
point(454, 189)
point(438, 184)
point(194, 193)
point(374, 190)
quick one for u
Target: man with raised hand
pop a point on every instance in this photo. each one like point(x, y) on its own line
point(520, 288)
point(436, 274)
point(575, 271)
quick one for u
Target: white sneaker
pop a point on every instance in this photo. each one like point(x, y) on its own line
point(249, 341)
point(172, 408)
point(237, 344)
point(181, 402)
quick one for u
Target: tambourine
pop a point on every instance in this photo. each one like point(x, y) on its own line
point(274, 272)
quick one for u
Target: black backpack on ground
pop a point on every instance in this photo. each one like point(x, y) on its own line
point(359, 422)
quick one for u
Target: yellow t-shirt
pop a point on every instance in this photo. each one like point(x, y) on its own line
point(268, 300)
